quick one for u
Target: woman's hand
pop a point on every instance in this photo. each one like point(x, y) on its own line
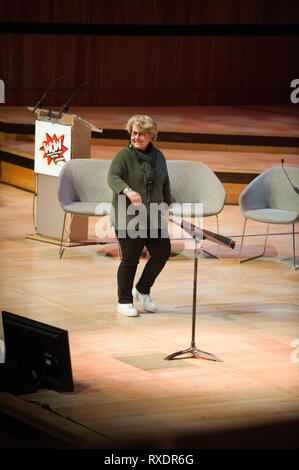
point(134, 197)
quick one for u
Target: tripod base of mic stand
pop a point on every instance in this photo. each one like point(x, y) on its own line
point(195, 353)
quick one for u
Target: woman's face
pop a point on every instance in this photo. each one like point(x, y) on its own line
point(140, 138)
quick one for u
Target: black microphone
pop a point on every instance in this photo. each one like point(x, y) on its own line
point(39, 104)
point(65, 106)
point(293, 186)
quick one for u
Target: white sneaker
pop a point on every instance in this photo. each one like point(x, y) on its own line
point(145, 301)
point(128, 310)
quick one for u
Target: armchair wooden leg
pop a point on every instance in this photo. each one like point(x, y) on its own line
point(219, 248)
point(61, 249)
point(242, 240)
point(253, 257)
point(294, 249)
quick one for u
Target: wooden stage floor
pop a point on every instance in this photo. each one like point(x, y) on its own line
point(236, 142)
point(126, 395)
point(263, 120)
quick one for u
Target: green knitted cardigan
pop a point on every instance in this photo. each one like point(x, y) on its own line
point(126, 170)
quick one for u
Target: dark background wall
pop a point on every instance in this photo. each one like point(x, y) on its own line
point(150, 52)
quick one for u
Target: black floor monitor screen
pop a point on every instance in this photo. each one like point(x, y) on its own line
point(37, 352)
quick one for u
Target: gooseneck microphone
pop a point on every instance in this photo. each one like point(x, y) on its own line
point(65, 106)
point(293, 186)
point(39, 104)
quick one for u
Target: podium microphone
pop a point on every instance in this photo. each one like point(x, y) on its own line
point(293, 186)
point(39, 104)
point(65, 106)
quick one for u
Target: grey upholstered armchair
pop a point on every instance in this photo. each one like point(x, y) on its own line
point(270, 199)
point(195, 182)
point(83, 189)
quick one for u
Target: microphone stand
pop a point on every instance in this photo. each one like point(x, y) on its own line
point(193, 349)
point(39, 104)
point(65, 107)
point(293, 186)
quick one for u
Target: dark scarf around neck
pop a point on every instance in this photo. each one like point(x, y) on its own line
point(147, 160)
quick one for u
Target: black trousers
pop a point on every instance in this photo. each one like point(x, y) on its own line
point(131, 249)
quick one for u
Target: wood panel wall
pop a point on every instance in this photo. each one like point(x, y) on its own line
point(135, 69)
point(176, 12)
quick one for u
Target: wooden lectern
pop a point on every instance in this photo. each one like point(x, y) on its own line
point(57, 141)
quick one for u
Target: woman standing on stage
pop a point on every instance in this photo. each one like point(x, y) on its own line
point(139, 180)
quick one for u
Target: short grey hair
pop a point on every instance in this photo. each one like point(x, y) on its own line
point(144, 122)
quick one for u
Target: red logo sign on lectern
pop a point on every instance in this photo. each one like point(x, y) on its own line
point(54, 149)
point(53, 144)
